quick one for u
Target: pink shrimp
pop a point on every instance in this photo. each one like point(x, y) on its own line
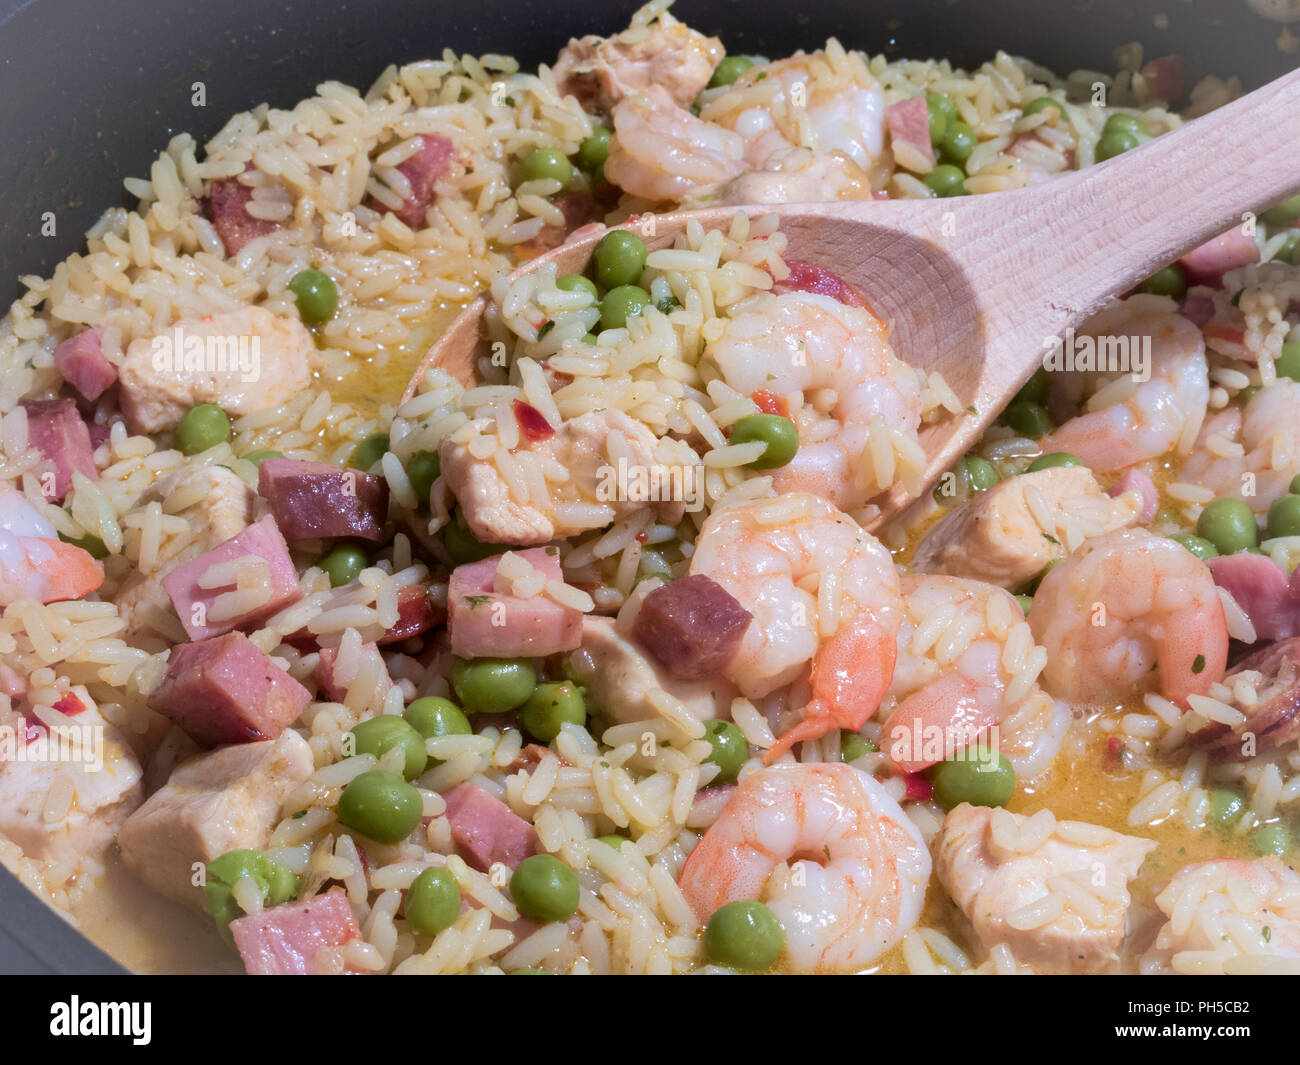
point(34, 563)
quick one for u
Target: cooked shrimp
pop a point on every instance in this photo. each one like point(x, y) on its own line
point(850, 398)
point(800, 176)
point(822, 592)
point(660, 151)
point(1126, 609)
point(34, 563)
point(1126, 421)
point(1230, 916)
point(828, 851)
point(804, 102)
point(1267, 433)
point(966, 662)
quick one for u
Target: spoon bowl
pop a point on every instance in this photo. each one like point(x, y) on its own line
point(977, 288)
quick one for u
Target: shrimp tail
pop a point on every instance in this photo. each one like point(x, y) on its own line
point(73, 573)
point(849, 678)
point(48, 570)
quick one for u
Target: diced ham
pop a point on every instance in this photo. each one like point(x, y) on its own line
point(1263, 590)
point(223, 800)
point(1207, 264)
point(57, 431)
point(297, 939)
point(1275, 720)
point(313, 500)
point(692, 627)
point(486, 622)
point(196, 604)
point(81, 361)
point(227, 206)
point(225, 689)
point(334, 684)
point(808, 277)
point(1198, 309)
point(528, 758)
point(1166, 77)
point(909, 124)
point(532, 422)
point(486, 830)
point(1134, 480)
point(416, 613)
point(423, 170)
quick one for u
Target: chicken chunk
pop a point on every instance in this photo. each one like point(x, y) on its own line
point(1008, 533)
point(64, 796)
point(243, 361)
point(618, 676)
point(224, 800)
point(1055, 892)
point(1229, 916)
point(588, 448)
point(601, 71)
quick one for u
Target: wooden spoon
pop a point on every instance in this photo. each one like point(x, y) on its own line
point(974, 287)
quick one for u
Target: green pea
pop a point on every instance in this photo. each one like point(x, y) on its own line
point(379, 735)
point(578, 283)
point(1052, 460)
point(853, 745)
point(433, 717)
point(744, 935)
point(316, 295)
point(92, 545)
point(958, 142)
point(1271, 839)
point(256, 457)
point(462, 545)
point(546, 164)
point(726, 72)
point(934, 106)
point(552, 706)
point(343, 563)
point(1295, 485)
point(1284, 516)
point(590, 339)
point(974, 777)
point(612, 841)
point(202, 427)
point(1025, 601)
point(620, 258)
point(1115, 143)
point(1197, 545)
point(981, 474)
point(1288, 363)
point(432, 902)
point(1030, 420)
point(622, 303)
point(1122, 123)
point(1225, 806)
point(275, 883)
point(1042, 103)
point(369, 451)
point(778, 433)
point(1035, 389)
point(544, 889)
point(381, 806)
point(422, 469)
point(1289, 249)
point(1284, 213)
point(594, 150)
point(1229, 525)
point(492, 685)
point(946, 180)
point(1171, 281)
point(730, 749)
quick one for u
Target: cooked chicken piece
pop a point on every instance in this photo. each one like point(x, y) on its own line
point(243, 361)
point(1055, 892)
point(1008, 533)
point(587, 448)
point(1230, 916)
point(67, 802)
point(226, 799)
point(600, 71)
point(618, 675)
